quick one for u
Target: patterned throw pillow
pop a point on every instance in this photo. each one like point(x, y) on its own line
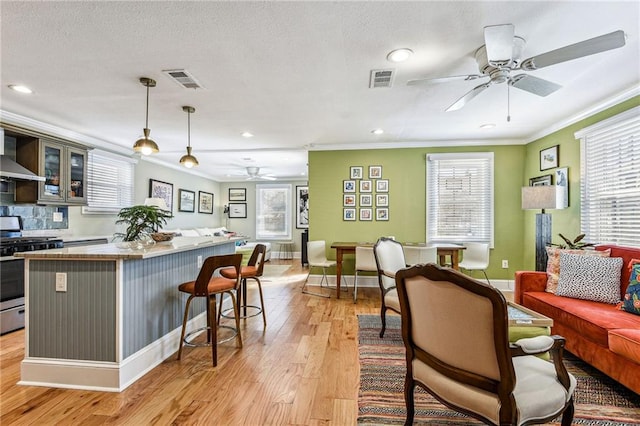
point(631, 299)
point(590, 278)
point(553, 264)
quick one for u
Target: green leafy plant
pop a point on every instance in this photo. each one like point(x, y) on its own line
point(575, 244)
point(140, 220)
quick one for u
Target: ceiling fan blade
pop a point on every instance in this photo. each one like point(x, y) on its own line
point(498, 40)
point(535, 85)
point(267, 178)
point(428, 81)
point(592, 46)
point(466, 98)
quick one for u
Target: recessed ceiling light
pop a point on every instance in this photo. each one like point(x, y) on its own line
point(247, 134)
point(377, 131)
point(488, 126)
point(20, 88)
point(399, 55)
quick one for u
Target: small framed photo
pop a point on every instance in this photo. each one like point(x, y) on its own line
point(366, 214)
point(164, 190)
point(355, 172)
point(237, 194)
point(382, 200)
point(382, 214)
point(186, 201)
point(375, 172)
point(562, 179)
point(382, 185)
point(238, 210)
point(549, 158)
point(365, 186)
point(349, 214)
point(349, 186)
point(349, 200)
point(540, 180)
point(205, 202)
point(366, 200)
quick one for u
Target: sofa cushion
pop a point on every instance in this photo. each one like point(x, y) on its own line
point(631, 300)
point(553, 263)
point(590, 277)
point(626, 342)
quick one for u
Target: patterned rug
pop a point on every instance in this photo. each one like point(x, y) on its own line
point(599, 401)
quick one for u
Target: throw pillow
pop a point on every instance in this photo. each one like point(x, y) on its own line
point(590, 278)
point(553, 264)
point(631, 299)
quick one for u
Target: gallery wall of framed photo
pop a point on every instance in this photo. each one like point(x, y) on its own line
point(365, 194)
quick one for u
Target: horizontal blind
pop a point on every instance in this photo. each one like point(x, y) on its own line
point(110, 182)
point(273, 212)
point(460, 197)
point(610, 180)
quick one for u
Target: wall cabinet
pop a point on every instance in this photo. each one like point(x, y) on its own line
point(63, 166)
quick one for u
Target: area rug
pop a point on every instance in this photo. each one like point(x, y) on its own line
point(599, 401)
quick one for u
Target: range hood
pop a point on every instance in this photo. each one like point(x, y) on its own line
point(9, 169)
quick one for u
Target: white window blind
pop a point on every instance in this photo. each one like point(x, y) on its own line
point(610, 179)
point(460, 197)
point(273, 212)
point(110, 182)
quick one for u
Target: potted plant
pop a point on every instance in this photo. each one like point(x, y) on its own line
point(575, 244)
point(141, 220)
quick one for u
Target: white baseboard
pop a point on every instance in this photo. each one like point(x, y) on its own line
point(372, 281)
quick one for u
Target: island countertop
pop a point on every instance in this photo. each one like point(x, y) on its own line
point(127, 250)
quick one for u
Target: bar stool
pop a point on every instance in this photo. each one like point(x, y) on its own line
point(286, 250)
point(206, 285)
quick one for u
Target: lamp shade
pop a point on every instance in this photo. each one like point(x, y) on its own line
point(157, 202)
point(544, 197)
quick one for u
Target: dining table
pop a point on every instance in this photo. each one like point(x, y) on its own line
point(443, 249)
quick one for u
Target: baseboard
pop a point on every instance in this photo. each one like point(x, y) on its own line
point(372, 281)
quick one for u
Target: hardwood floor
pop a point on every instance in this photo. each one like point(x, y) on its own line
point(302, 370)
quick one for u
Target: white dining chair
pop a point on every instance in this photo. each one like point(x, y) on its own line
point(476, 258)
point(365, 262)
point(317, 257)
point(415, 255)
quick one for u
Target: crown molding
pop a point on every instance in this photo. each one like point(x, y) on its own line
point(414, 144)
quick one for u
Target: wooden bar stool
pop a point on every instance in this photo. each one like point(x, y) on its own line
point(206, 285)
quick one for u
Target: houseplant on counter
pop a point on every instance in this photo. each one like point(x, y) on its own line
point(141, 221)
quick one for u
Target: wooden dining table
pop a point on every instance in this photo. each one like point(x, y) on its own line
point(443, 249)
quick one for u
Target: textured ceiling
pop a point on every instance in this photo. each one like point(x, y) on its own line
point(296, 74)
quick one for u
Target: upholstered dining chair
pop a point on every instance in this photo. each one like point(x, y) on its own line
point(253, 270)
point(476, 258)
point(317, 257)
point(365, 262)
point(455, 332)
point(389, 259)
point(207, 285)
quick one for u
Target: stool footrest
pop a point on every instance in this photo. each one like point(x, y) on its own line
point(192, 335)
point(258, 311)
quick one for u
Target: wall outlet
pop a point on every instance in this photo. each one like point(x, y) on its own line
point(199, 261)
point(505, 264)
point(61, 281)
point(57, 216)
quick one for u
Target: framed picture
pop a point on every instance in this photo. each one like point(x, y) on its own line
point(349, 186)
point(365, 186)
point(164, 190)
point(237, 194)
point(238, 210)
point(348, 214)
point(540, 180)
point(356, 172)
point(549, 158)
point(382, 200)
point(366, 214)
point(186, 201)
point(205, 202)
point(382, 214)
point(382, 185)
point(375, 172)
point(349, 200)
point(366, 200)
point(302, 207)
point(562, 179)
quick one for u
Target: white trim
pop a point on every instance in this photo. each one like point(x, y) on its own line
point(601, 125)
point(415, 144)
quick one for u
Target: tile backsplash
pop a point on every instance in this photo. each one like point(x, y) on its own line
point(34, 217)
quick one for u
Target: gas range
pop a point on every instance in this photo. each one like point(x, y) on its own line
point(9, 246)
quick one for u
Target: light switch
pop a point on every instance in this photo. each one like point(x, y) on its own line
point(61, 281)
point(57, 216)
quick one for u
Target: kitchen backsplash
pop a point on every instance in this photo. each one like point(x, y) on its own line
point(34, 217)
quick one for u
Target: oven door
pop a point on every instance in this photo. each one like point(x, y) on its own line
point(11, 280)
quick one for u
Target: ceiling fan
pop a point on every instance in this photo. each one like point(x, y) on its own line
point(254, 173)
point(501, 54)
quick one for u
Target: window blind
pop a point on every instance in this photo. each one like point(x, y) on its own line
point(110, 182)
point(460, 197)
point(610, 180)
point(273, 212)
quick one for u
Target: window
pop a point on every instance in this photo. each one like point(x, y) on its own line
point(460, 197)
point(110, 183)
point(273, 212)
point(610, 179)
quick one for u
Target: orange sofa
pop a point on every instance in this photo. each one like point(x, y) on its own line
point(598, 333)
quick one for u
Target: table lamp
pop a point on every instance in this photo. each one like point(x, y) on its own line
point(543, 197)
point(157, 202)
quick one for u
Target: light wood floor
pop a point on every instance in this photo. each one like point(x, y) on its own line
point(302, 370)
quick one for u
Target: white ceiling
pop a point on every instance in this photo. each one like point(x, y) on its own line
point(296, 74)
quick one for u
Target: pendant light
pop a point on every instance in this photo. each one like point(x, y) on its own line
point(146, 145)
point(188, 160)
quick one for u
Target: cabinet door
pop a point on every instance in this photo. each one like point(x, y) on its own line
point(52, 167)
point(76, 185)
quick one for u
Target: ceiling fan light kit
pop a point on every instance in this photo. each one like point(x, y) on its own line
point(146, 145)
point(189, 160)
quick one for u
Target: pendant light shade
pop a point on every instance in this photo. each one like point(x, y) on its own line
point(146, 145)
point(188, 160)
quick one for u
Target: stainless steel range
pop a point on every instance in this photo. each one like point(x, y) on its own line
point(12, 270)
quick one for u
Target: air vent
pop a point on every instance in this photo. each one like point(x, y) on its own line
point(183, 78)
point(381, 78)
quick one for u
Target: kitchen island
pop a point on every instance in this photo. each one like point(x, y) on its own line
point(99, 317)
